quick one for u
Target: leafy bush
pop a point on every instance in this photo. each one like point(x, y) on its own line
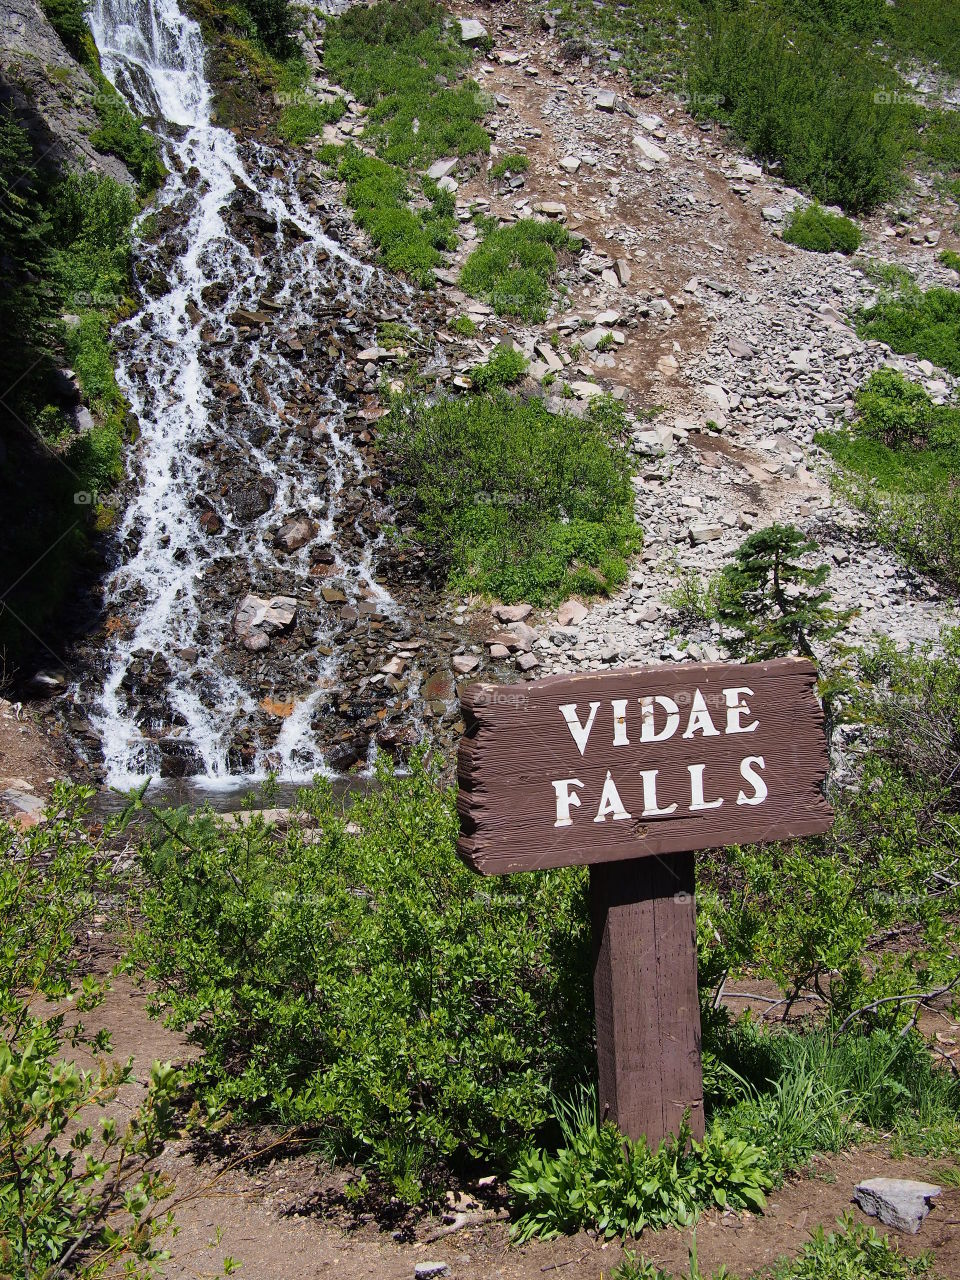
point(121, 134)
point(950, 259)
point(358, 979)
point(901, 460)
point(775, 604)
point(599, 1179)
point(304, 120)
point(396, 58)
point(816, 916)
point(801, 99)
point(814, 229)
point(925, 324)
point(68, 20)
point(513, 266)
point(90, 235)
point(855, 1252)
point(900, 438)
point(520, 503)
point(78, 1190)
point(409, 241)
point(65, 246)
point(464, 327)
point(504, 367)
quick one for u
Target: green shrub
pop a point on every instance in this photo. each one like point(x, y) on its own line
point(518, 503)
point(68, 20)
point(924, 324)
point(599, 1179)
point(119, 133)
point(396, 58)
point(802, 100)
point(91, 220)
point(464, 327)
point(304, 120)
point(950, 259)
point(814, 229)
point(78, 1190)
point(513, 266)
point(65, 246)
point(504, 367)
point(360, 980)
point(409, 241)
point(900, 462)
point(815, 916)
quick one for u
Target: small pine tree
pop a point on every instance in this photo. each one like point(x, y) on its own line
point(778, 606)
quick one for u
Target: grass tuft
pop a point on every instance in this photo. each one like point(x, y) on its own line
point(513, 266)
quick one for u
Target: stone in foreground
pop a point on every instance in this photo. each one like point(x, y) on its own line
point(571, 613)
point(897, 1202)
point(471, 31)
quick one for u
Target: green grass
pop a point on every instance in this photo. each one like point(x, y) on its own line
point(410, 241)
point(515, 502)
point(950, 259)
point(398, 60)
point(513, 266)
point(302, 120)
point(508, 165)
point(922, 323)
point(814, 229)
point(774, 1101)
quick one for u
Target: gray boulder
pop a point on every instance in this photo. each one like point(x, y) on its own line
point(897, 1202)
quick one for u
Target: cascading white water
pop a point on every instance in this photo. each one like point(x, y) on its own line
point(165, 563)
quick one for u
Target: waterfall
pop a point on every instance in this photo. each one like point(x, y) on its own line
point(173, 696)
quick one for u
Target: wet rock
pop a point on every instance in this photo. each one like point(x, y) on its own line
point(295, 534)
point(251, 499)
point(254, 614)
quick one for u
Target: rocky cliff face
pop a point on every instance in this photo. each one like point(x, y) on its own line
point(51, 92)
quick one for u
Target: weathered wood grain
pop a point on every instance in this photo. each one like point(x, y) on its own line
point(517, 743)
point(645, 995)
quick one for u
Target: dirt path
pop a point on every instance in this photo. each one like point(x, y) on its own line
point(283, 1216)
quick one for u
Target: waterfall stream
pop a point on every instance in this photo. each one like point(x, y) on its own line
point(236, 435)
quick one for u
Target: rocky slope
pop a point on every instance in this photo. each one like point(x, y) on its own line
point(50, 91)
point(740, 343)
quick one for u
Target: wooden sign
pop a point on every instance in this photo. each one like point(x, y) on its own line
point(629, 771)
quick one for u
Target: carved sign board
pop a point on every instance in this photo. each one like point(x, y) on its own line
point(624, 764)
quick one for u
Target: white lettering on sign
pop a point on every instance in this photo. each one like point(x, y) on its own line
point(660, 719)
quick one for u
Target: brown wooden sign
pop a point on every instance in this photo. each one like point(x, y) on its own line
point(630, 770)
point(628, 763)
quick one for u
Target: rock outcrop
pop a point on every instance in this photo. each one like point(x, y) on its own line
point(50, 91)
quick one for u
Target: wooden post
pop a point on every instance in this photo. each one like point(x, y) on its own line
point(645, 991)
